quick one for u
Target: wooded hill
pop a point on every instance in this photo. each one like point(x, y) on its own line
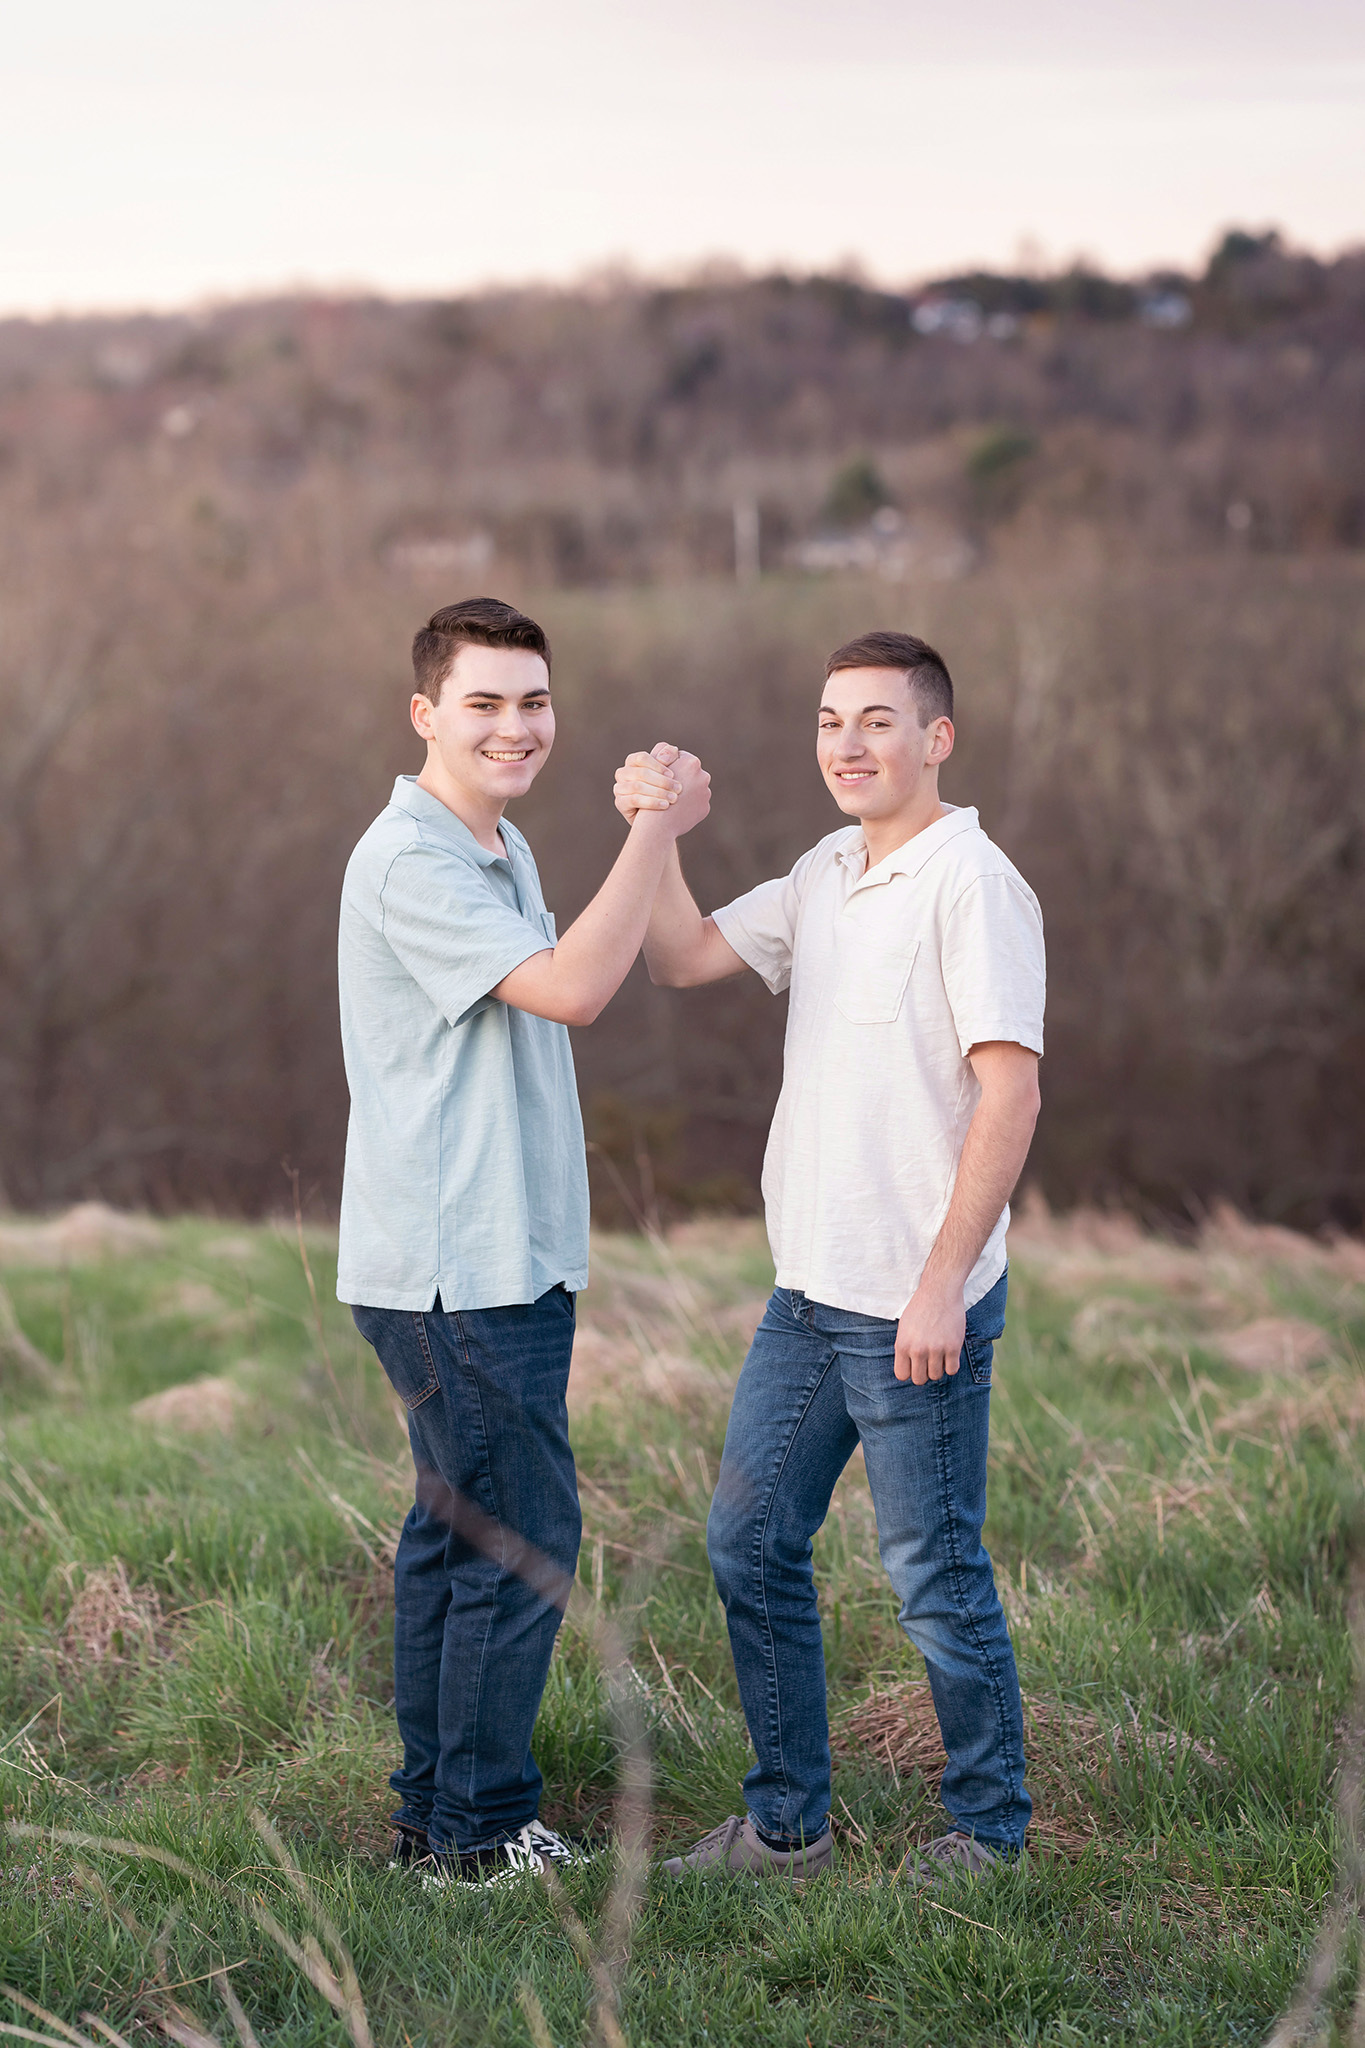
point(1133, 513)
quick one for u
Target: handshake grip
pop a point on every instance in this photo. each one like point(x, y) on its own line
point(665, 780)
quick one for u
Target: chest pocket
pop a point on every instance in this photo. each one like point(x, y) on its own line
point(872, 979)
point(547, 920)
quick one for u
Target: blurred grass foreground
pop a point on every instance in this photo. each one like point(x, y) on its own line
point(201, 1479)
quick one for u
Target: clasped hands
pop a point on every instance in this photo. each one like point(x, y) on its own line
point(665, 779)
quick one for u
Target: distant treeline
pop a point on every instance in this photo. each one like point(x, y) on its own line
point(1132, 514)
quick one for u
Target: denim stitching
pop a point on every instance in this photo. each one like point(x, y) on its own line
point(973, 1346)
point(964, 1615)
point(774, 1704)
point(433, 1384)
point(499, 1569)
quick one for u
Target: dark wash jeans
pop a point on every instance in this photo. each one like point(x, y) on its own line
point(484, 1390)
point(817, 1380)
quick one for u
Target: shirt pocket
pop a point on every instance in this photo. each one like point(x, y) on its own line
point(872, 978)
point(547, 925)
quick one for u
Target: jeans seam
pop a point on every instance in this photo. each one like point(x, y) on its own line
point(969, 1619)
point(774, 1698)
point(500, 1570)
point(434, 1380)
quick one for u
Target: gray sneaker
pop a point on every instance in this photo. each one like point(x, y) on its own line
point(736, 1846)
point(949, 1859)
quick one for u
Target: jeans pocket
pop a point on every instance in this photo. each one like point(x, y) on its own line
point(979, 1351)
point(400, 1341)
point(985, 1328)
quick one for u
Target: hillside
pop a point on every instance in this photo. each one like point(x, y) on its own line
point(1133, 514)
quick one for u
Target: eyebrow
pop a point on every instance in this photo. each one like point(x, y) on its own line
point(496, 696)
point(828, 711)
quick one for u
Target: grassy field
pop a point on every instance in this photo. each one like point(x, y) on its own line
point(200, 1481)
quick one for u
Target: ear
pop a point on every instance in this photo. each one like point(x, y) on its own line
point(941, 737)
point(420, 711)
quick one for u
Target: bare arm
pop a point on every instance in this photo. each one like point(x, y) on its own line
point(682, 948)
point(573, 982)
point(933, 1326)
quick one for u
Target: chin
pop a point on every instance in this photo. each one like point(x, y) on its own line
point(511, 782)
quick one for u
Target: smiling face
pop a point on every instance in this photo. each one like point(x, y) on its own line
point(880, 764)
point(489, 734)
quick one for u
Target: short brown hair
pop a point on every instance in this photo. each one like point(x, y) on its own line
point(923, 667)
point(473, 622)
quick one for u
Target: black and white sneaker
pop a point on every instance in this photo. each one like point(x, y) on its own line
point(409, 1846)
point(524, 1854)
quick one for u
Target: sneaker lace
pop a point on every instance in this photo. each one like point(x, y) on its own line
point(960, 1848)
point(535, 1840)
point(716, 1836)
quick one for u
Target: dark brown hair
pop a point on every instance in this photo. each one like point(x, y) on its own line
point(923, 667)
point(473, 622)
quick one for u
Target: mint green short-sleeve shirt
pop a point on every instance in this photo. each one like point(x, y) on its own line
point(465, 1166)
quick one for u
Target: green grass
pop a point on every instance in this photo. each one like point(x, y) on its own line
point(1172, 1535)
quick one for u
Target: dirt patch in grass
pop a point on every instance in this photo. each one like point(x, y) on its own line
point(109, 1617)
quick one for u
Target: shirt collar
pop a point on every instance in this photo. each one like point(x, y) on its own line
point(409, 795)
point(912, 857)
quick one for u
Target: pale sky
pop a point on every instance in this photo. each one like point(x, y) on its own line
point(157, 152)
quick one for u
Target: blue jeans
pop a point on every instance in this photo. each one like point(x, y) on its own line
point(484, 1390)
point(815, 1382)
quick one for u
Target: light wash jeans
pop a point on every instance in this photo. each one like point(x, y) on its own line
point(484, 1390)
point(817, 1380)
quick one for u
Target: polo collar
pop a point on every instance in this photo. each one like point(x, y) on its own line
point(916, 853)
point(409, 795)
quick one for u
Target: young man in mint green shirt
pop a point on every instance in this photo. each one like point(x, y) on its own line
point(464, 1211)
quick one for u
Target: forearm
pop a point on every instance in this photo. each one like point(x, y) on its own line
point(930, 1333)
point(573, 983)
point(993, 1156)
point(680, 944)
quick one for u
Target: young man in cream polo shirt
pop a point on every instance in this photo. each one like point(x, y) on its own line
point(913, 951)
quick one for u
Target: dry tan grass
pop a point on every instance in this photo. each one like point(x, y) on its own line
point(108, 1615)
point(195, 1406)
point(1275, 1344)
point(670, 1317)
point(1070, 1753)
point(80, 1236)
point(1138, 1294)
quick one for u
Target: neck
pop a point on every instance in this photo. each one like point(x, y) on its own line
point(884, 835)
point(481, 815)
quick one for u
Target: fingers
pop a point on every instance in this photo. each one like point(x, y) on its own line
point(643, 797)
point(647, 782)
point(922, 1365)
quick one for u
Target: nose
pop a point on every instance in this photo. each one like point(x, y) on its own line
point(512, 726)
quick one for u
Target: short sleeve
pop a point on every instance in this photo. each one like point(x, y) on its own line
point(762, 925)
point(447, 928)
point(994, 968)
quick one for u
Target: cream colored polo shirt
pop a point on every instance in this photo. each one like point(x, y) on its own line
point(895, 973)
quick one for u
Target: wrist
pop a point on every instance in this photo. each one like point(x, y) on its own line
point(655, 828)
point(941, 1285)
